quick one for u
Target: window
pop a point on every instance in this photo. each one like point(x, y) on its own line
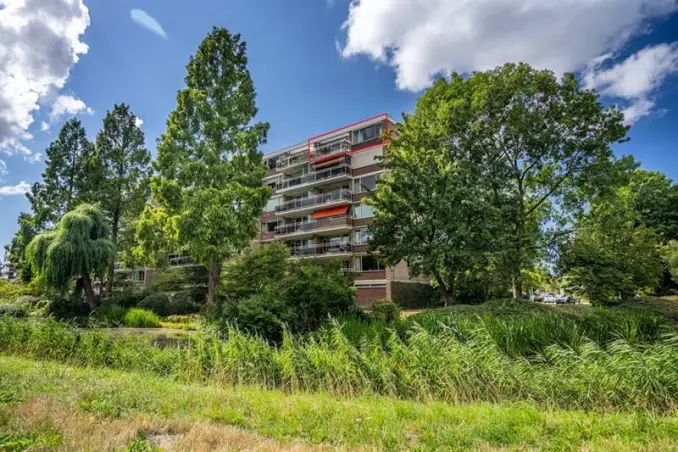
point(270, 227)
point(272, 204)
point(367, 133)
point(365, 184)
point(345, 266)
point(367, 263)
point(138, 275)
point(362, 210)
point(362, 236)
point(271, 163)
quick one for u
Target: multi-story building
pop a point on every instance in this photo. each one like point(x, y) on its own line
point(317, 208)
point(7, 270)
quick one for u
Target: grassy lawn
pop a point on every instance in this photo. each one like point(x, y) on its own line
point(52, 406)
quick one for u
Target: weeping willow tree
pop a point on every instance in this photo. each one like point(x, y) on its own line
point(76, 249)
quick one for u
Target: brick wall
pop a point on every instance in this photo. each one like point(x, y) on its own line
point(365, 297)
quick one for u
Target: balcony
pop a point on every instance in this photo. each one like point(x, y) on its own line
point(337, 146)
point(289, 162)
point(308, 180)
point(308, 204)
point(328, 250)
point(310, 228)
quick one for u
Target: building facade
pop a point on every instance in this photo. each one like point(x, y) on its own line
point(317, 208)
point(7, 270)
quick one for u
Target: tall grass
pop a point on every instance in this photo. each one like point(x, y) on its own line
point(419, 366)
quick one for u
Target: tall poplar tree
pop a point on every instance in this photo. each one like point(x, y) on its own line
point(125, 168)
point(208, 195)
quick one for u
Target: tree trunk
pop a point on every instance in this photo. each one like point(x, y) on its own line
point(447, 289)
point(89, 292)
point(212, 284)
point(517, 279)
point(114, 238)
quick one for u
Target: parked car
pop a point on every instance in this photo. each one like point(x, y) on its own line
point(537, 297)
point(549, 298)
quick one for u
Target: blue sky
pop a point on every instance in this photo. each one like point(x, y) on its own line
point(318, 64)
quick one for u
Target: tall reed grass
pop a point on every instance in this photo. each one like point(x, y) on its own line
point(419, 366)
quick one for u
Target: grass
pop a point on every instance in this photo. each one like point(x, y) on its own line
point(84, 409)
point(115, 315)
point(422, 366)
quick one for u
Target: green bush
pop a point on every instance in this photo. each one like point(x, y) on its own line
point(385, 310)
point(13, 310)
point(158, 302)
point(129, 298)
point(62, 308)
point(141, 318)
point(10, 290)
point(411, 295)
point(112, 314)
point(182, 303)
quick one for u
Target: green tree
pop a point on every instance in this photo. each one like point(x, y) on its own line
point(438, 207)
point(78, 247)
point(16, 250)
point(208, 193)
point(670, 255)
point(70, 176)
point(125, 166)
point(612, 256)
point(548, 140)
point(252, 271)
point(654, 197)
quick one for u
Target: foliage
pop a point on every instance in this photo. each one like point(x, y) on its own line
point(111, 314)
point(419, 366)
point(51, 397)
point(415, 296)
point(254, 270)
point(62, 308)
point(385, 310)
point(16, 250)
point(125, 166)
point(264, 293)
point(10, 290)
point(612, 255)
point(129, 298)
point(670, 255)
point(208, 195)
point(182, 303)
point(438, 209)
point(654, 198)
point(158, 302)
point(192, 278)
point(13, 310)
point(141, 318)
point(77, 248)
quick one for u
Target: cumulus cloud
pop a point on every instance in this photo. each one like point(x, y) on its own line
point(68, 105)
point(3, 170)
point(33, 158)
point(39, 43)
point(636, 79)
point(145, 20)
point(21, 188)
point(424, 38)
point(138, 121)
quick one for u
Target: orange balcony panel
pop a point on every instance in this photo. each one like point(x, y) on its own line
point(333, 212)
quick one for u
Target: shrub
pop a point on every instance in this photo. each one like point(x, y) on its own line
point(62, 308)
point(159, 303)
point(412, 295)
point(385, 310)
point(257, 269)
point(182, 303)
point(129, 298)
point(141, 318)
point(10, 290)
point(12, 310)
point(111, 314)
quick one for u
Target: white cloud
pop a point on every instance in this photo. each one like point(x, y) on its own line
point(138, 121)
point(44, 127)
point(636, 79)
point(21, 188)
point(68, 105)
point(39, 43)
point(145, 20)
point(424, 38)
point(3, 170)
point(34, 158)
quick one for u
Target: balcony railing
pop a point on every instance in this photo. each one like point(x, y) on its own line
point(333, 147)
point(313, 225)
point(317, 200)
point(284, 162)
point(323, 249)
point(314, 177)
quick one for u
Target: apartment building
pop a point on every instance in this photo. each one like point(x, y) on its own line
point(317, 208)
point(7, 270)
